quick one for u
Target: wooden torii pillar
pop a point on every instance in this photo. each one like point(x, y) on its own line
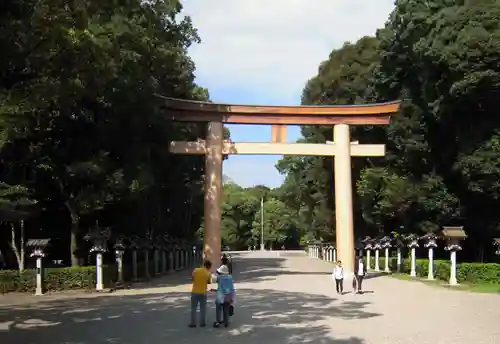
point(279, 116)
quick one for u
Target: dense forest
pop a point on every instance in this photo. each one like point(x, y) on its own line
point(83, 136)
point(443, 155)
point(442, 167)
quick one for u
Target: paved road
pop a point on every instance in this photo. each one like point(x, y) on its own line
point(281, 299)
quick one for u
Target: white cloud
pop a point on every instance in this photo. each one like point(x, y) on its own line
point(268, 49)
point(275, 45)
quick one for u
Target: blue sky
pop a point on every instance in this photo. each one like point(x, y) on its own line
point(264, 51)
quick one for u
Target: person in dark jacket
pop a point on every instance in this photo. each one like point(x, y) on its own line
point(359, 275)
point(225, 260)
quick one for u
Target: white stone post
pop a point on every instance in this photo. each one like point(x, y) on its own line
point(368, 259)
point(377, 258)
point(398, 258)
point(453, 236)
point(99, 239)
point(413, 244)
point(430, 272)
point(387, 269)
point(386, 245)
point(134, 264)
point(39, 277)
point(119, 252)
point(413, 272)
point(156, 259)
point(119, 265)
point(171, 267)
point(430, 243)
point(453, 247)
point(453, 268)
point(334, 254)
point(164, 261)
point(146, 263)
point(100, 280)
point(38, 246)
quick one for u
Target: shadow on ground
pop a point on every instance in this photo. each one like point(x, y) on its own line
point(261, 316)
point(261, 269)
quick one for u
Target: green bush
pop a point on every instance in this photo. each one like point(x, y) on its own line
point(56, 279)
point(471, 273)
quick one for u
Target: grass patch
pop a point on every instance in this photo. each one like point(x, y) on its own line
point(475, 288)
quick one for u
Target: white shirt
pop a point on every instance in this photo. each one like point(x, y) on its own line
point(361, 270)
point(338, 272)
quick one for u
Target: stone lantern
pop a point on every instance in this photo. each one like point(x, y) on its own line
point(181, 255)
point(170, 255)
point(330, 253)
point(412, 243)
point(496, 243)
point(119, 252)
point(175, 256)
point(453, 236)
point(38, 247)
point(163, 247)
point(134, 246)
point(430, 242)
point(386, 244)
point(309, 249)
point(145, 245)
point(184, 253)
point(317, 249)
point(368, 246)
point(195, 254)
point(156, 246)
point(99, 240)
point(398, 243)
point(377, 246)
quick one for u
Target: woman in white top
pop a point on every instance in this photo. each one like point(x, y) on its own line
point(338, 275)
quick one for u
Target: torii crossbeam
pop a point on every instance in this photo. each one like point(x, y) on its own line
point(279, 116)
point(266, 148)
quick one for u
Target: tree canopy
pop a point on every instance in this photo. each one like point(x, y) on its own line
point(84, 137)
point(82, 132)
point(441, 167)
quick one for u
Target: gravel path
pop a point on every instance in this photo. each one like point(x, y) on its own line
point(281, 298)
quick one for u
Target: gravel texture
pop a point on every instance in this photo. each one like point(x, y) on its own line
point(282, 297)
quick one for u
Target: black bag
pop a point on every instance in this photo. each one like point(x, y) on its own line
point(231, 310)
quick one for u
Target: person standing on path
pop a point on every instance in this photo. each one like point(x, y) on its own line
point(201, 279)
point(224, 296)
point(359, 274)
point(338, 276)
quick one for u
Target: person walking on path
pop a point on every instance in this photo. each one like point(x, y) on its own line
point(201, 279)
point(338, 276)
point(225, 260)
point(224, 297)
point(359, 275)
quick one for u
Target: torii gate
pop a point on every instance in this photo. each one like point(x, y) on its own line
point(340, 116)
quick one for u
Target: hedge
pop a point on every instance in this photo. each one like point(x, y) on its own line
point(471, 273)
point(56, 279)
point(70, 278)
